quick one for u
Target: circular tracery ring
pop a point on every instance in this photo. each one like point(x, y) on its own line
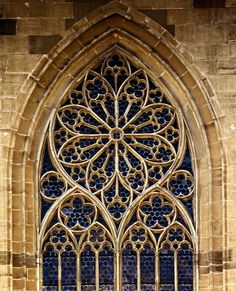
point(117, 128)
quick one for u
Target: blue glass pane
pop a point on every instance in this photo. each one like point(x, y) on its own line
point(106, 287)
point(129, 266)
point(45, 205)
point(68, 288)
point(187, 163)
point(148, 287)
point(187, 287)
point(47, 164)
point(106, 268)
point(185, 267)
point(167, 287)
point(166, 268)
point(68, 262)
point(50, 269)
point(49, 288)
point(87, 262)
point(129, 287)
point(189, 206)
point(88, 288)
point(147, 261)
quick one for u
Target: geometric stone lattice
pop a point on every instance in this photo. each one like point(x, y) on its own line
point(117, 186)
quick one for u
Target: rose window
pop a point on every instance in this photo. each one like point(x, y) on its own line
point(117, 178)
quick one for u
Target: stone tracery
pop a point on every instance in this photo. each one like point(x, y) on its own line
point(118, 137)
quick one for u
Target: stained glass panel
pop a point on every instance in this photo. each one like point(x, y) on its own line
point(117, 185)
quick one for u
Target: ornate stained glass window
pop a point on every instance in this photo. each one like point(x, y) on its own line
point(117, 186)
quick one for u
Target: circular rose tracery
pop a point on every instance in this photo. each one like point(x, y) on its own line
point(117, 127)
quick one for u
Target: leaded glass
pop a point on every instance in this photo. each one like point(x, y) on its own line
point(117, 185)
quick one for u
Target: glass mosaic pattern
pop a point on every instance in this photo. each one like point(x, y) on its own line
point(117, 186)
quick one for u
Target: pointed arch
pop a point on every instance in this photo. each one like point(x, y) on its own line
point(116, 25)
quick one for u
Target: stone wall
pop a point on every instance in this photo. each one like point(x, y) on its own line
point(205, 33)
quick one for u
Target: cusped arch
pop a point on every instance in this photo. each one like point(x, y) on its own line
point(111, 26)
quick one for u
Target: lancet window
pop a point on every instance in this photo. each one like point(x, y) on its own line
point(117, 185)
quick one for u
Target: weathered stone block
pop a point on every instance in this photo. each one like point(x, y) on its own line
point(186, 33)
point(40, 26)
point(161, 4)
point(230, 3)
point(64, 10)
point(209, 3)
point(184, 16)
point(12, 10)
point(39, 44)
point(232, 31)
point(13, 44)
point(227, 67)
point(212, 33)
point(7, 26)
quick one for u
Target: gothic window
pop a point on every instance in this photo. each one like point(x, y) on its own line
point(117, 186)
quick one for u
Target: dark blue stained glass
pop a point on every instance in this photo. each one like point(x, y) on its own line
point(97, 69)
point(157, 212)
point(121, 78)
point(87, 265)
point(47, 164)
point(187, 162)
point(53, 187)
point(187, 287)
point(102, 221)
point(117, 210)
point(110, 106)
point(78, 213)
point(123, 104)
point(68, 288)
point(50, 268)
point(96, 88)
point(167, 287)
point(134, 109)
point(132, 221)
point(129, 266)
point(88, 288)
point(68, 263)
point(106, 268)
point(123, 166)
point(156, 95)
point(106, 287)
point(133, 68)
point(49, 288)
point(45, 205)
point(110, 79)
point(129, 287)
point(98, 109)
point(110, 193)
point(185, 266)
point(85, 130)
point(148, 287)
point(181, 185)
point(166, 267)
point(147, 262)
point(189, 206)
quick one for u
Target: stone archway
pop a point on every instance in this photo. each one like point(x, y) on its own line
point(117, 25)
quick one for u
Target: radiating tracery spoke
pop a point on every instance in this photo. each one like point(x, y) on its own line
point(117, 131)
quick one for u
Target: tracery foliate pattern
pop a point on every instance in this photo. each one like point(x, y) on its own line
point(117, 186)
